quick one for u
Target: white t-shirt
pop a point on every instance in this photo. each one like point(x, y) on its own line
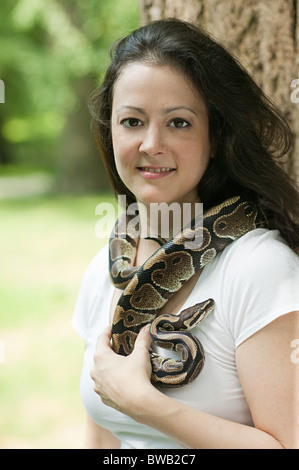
point(253, 281)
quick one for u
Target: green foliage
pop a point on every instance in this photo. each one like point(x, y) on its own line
point(47, 47)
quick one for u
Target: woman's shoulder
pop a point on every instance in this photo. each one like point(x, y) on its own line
point(98, 264)
point(94, 290)
point(258, 264)
point(260, 249)
point(96, 279)
point(259, 278)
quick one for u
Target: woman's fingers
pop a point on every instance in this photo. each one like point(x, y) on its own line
point(113, 373)
point(104, 339)
point(143, 339)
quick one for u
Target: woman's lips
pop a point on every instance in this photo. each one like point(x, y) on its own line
point(150, 172)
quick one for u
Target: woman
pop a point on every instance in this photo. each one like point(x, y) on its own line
point(177, 119)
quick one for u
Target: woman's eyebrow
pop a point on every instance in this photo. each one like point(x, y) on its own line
point(165, 111)
point(135, 108)
point(178, 108)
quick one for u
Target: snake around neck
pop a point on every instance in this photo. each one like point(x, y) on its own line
point(147, 288)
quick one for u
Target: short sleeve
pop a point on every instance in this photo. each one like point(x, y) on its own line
point(90, 289)
point(262, 283)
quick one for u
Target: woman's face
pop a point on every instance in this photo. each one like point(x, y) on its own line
point(160, 134)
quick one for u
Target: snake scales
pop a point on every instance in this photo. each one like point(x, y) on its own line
point(147, 288)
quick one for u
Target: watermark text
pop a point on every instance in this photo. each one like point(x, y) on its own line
point(295, 94)
point(168, 221)
point(295, 354)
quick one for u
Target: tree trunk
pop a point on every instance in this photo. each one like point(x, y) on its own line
point(262, 34)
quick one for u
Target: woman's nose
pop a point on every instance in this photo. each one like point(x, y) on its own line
point(153, 142)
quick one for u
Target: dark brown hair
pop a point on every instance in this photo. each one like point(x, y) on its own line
point(248, 135)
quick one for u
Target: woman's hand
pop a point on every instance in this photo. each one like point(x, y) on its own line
point(122, 382)
point(263, 367)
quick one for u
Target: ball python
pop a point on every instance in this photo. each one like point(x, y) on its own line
point(147, 288)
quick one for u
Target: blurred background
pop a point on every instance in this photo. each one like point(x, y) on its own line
point(53, 53)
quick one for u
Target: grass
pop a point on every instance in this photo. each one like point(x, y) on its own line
point(46, 244)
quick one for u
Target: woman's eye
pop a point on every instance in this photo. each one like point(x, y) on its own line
point(131, 122)
point(179, 123)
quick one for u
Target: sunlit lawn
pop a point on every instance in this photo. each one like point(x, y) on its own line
point(45, 246)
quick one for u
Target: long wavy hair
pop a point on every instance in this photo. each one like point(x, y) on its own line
point(248, 134)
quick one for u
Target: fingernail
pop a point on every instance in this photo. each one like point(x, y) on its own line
point(146, 328)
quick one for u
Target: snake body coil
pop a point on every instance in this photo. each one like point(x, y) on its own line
point(147, 288)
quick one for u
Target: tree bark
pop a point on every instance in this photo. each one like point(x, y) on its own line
point(262, 34)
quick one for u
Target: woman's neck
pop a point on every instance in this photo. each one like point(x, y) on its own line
point(165, 221)
point(159, 223)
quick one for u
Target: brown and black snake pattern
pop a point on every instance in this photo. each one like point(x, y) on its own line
point(147, 288)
